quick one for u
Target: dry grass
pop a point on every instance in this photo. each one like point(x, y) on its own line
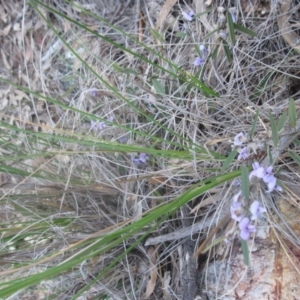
point(74, 192)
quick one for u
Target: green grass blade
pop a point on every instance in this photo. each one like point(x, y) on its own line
point(282, 121)
point(292, 113)
point(245, 182)
point(231, 28)
point(229, 160)
point(245, 250)
point(254, 125)
point(274, 129)
point(227, 50)
point(244, 29)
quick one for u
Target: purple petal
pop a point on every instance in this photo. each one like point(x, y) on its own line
point(269, 178)
point(255, 165)
point(251, 228)
point(188, 16)
point(278, 188)
point(272, 185)
point(246, 228)
point(254, 207)
point(243, 225)
point(239, 139)
point(199, 61)
point(244, 235)
point(233, 209)
point(243, 154)
point(269, 170)
point(143, 157)
point(236, 197)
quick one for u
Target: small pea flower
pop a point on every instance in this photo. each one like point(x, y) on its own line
point(233, 14)
point(143, 157)
point(98, 126)
point(258, 171)
point(239, 139)
point(243, 154)
point(203, 50)
point(199, 61)
point(256, 209)
point(93, 92)
point(189, 15)
point(236, 208)
point(246, 228)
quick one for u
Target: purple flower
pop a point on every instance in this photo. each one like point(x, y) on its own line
point(123, 140)
point(246, 228)
point(239, 139)
point(188, 16)
point(236, 207)
point(243, 154)
point(266, 175)
point(203, 50)
point(256, 209)
point(93, 92)
point(258, 171)
point(143, 157)
point(199, 61)
point(98, 126)
point(233, 17)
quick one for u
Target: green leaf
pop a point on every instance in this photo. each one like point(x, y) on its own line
point(229, 159)
point(231, 28)
point(180, 34)
point(158, 86)
point(281, 121)
point(244, 29)
point(274, 130)
point(245, 251)
point(124, 70)
point(261, 86)
point(157, 35)
point(211, 33)
point(295, 157)
point(254, 124)
point(270, 155)
point(214, 243)
point(215, 52)
point(245, 182)
point(292, 114)
point(227, 50)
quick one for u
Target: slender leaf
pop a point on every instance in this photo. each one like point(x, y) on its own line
point(157, 35)
point(231, 28)
point(227, 50)
point(158, 86)
point(295, 157)
point(282, 121)
point(214, 243)
point(229, 160)
point(245, 251)
point(274, 130)
point(180, 34)
point(244, 29)
point(245, 182)
point(254, 125)
point(292, 114)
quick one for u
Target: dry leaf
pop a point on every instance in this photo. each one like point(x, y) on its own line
point(5, 61)
point(164, 12)
point(208, 201)
point(153, 273)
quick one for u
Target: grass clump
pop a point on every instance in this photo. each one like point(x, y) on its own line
point(141, 142)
